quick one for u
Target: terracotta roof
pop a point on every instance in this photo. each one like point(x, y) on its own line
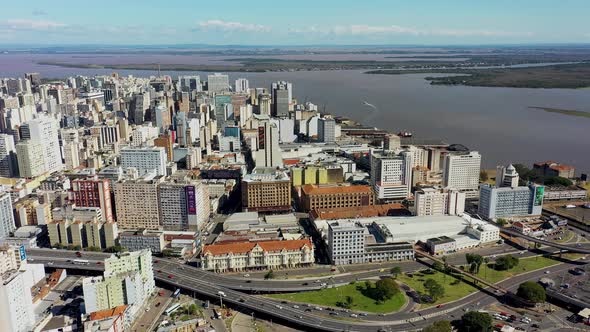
point(562, 167)
point(244, 247)
point(548, 162)
point(294, 161)
point(310, 189)
point(360, 211)
point(102, 314)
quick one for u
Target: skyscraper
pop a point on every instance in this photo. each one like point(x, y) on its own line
point(30, 159)
point(268, 153)
point(6, 216)
point(44, 130)
point(461, 171)
point(180, 207)
point(281, 98)
point(94, 192)
point(217, 83)
point(136, 203)
point(144, 159)
point(242, 85)
point(391, 174)
point(8, 159)
point(327, 130)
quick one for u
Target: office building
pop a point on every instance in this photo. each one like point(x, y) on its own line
point(391, 174)
point(242, 85)
point(346, 242)
point(137, 204)
point(266, 190)
point(189, 83)
point(94, 192)
point(140, 104)
point(8, 158)
point(329, 196)
point(239, 256)
point(31, 162)
point(44, 130)
point(268, 152)
point(183, 204)
point(264, 104)
point(7, 225)
point(282, 94)
point(142, 239)
point(217, 83)
point(509, 202)
point(391, 142)
point(461, 172)
point(167, 142)
point(327, 130)
point(82, 232)
point(145, 159)
point(439, 202)
point(506, 176)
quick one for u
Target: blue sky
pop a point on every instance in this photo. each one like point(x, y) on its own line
point(295, 22)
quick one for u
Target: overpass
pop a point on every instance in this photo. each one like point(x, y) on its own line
point(581, 250)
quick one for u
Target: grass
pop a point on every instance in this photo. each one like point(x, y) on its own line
point(566, 237)
point(330, 296)
point(455, 291)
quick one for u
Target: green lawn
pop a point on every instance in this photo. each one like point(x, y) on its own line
point(330, 296)
point(460, 290)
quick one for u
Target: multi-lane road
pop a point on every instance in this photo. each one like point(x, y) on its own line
point(236, 290)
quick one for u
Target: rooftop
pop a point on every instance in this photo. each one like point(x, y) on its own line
point(244, 247)
point(392, 209)
point(311, 189)
point(101, 314)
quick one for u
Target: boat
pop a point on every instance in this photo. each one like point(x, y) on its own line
point(404, 134)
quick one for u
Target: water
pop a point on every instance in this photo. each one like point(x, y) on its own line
point(495, 121)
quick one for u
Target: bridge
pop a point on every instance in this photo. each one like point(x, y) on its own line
point(581, 249)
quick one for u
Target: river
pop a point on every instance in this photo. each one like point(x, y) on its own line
point(495, 121)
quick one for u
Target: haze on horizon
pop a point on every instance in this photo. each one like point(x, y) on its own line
point(303, 22)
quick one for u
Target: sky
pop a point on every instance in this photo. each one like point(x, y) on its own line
point(298, 22)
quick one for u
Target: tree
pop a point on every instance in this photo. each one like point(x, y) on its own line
point(269, 275)
point(475, 261)
point(475, 321)
point(438, 266)
point(385, 289)
point(558, 180)
point(116, 248)
point(440, 326)
point(96, 249)
point(395, 271)
point(501, 222)
point(483, 176)
point(167, 252)
point(532, 291)
point(505, 262)
point(434, 289)
point(192, 309)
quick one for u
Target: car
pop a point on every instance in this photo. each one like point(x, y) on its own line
point(296, 306)
point(536, 326)
point(318, 308)
point(248, 281)
point(170, 276)
point(333, 269)
point(79, 254)
point(247, 275)
point(158, 304)
point(147, 309)
point(299, 316)
point(308, 310)
point(353, 315)
point(381, 315)
point(98, 263)
point(439, 306)
point(278, 306)
point(159, 271)
point(48, 263)
point(284, 302)
point(305, 284)
point(333, 314)
point(363, 314)
point(317, 281)
point(547, 272)
point(242, 300)
point(156, 261)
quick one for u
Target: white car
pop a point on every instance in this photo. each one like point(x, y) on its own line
point(547, 272)
point(296, 306)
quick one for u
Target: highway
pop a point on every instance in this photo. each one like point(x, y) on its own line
point(191, 280)
point(581, 249)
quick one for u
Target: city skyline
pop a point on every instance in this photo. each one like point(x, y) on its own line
point(303, 23)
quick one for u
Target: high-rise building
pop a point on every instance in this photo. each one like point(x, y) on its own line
point(94, 192)
point(144, 159)
point(327, 130)
point(136, 203)
point(391, 174)
point(189, 83)
point(7, 225)
point(507, 202)
point(282, 94)
point(242, 85)
point(346, 243)
point(391, 142)
point(506, 176)
point(167, 143)
point(139, 105)
point(268, 153)
point(434, 202)
point(329, 196)
point(30, 159)
point(217, 83)
point(8, 158)
point(461, 171)
point(264, 104)
point(184, 205)
point(44, 130)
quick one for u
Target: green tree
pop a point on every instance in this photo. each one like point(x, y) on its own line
point(192, 309)
point(269, 275)
point(505, 263)
point(501, 222)
point(96, 249)
point(483, 176)
point(558, 180)
point(395, 271)
point(434, 289)
point(438, 266)
point(475, 321)
point(475, 261)
point(532, 291)
point(385, 289)
point(440, 326)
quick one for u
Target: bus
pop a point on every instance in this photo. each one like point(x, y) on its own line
point(81, 262)
point(176, 293)
point(172, 309)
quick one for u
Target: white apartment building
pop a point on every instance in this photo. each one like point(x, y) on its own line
point(44, 130)
point(461, 171)
point(142, 135)
point(391, 174)
point(144, 159)
point(8, 158)
point(217, 83)
point(346, 242)
point(268, 153)
point(31, 162)
point(137, 204)
point(439, 202)
point(7, 225)
point(242, 85)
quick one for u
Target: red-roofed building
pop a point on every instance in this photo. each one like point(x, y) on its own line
point(330, 196)
point(552, 168)
point(238, 256)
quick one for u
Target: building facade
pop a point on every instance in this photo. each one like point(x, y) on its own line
point(325, 197)
point(507, 202)
point(391, 174)
point(266, 189)
point(144, 159)
point(183, 205)
point(439, 202)
point(461, 171)
point(94, 192)
point(346, 243)
point(137, 204)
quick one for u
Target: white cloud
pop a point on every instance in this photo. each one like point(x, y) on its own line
point(232, 26)
point(26, 24)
